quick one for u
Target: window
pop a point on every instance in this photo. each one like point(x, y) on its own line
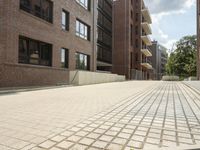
point(137, 17)
point(104, 54)
point(40, 8)
point(136, 30)
point(82, 61)
point(65, 20)
point(131, 39)
point(84, 3)
point(64, 58)
point(136, 43)
point(82, 30)
point(131, 14)
point(34, 52)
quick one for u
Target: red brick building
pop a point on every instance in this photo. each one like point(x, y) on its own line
point(131, 54)
point(104, 38)
point(41, 40)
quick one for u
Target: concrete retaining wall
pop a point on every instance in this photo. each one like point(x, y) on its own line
point(170, 78)
point(86, 77)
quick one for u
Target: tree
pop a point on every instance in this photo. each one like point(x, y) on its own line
point(183, 61)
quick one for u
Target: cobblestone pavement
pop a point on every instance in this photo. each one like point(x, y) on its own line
point(130, 115)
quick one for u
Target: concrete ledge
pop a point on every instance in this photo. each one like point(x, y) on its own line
point(170, 78)
point(86, 77)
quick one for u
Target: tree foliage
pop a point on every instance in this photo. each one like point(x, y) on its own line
point(183, 61)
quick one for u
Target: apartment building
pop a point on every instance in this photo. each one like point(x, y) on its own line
point(42, 40)
point(198, 39)
point(158, 60)
point(104, 38)
point(131, 55)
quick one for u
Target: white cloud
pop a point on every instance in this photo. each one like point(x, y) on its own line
point(158, 34)
point(169, 6)
point(162, 8)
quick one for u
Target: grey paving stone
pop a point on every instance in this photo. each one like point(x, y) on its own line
point(47, 144)
point(100, 144)
point(119, 141)
point(106, 138)
point(65, 145)
point(114, 147)
point(135, 144)
point(78, 147)
point(81, 118)
point(124, 135)
point(67, 133)
point(86, 141)
point(112, 133)
point(74, 138)
point(82, 133)
point(58, 138)
point(94, 135)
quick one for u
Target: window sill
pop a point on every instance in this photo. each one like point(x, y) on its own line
point(82, 38)
point(86, 9)
point(36, 66)
point(63, 30)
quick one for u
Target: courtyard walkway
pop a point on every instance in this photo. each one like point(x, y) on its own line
point(116, 116)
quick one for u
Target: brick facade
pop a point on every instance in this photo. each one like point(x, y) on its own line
point(15, 22)
point(128, 31)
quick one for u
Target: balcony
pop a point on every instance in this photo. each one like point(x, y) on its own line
point(146, 15)
point(146, 27)
point(146, 39)
point(146, 51)
point(146, 64)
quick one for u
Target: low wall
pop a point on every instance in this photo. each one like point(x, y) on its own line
point(170, 78)
point(20, 75)
point(86, 77)
point(191, 79)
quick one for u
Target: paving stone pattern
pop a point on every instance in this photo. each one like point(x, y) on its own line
point(165, 115)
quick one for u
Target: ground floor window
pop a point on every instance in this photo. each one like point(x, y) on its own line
point(82, 61)
point(64, 58)
point(34, 52)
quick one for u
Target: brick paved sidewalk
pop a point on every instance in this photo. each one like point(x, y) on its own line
point(130, 115)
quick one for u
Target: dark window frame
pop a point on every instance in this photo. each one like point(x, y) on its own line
point(65, 64)
point(40, 13)
point(78, 67)
point(85, 35)
point(87, 7)
point(67, 20)
point(38, 56)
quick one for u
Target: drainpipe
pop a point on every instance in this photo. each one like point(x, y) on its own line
point(125, 57)
point(94, 33)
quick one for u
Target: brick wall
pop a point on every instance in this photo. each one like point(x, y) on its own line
point(12, 75)
point(18, 22)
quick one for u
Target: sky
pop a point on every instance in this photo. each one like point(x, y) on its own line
point(171, 20)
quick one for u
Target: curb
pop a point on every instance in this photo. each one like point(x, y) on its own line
point(28, 89)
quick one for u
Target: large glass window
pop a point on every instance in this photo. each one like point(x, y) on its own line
point(65, 20)
point(40, 8)
point(82, 61)
point(34, 52)
point(64, 58)
point(84, 3)
point(82, 30)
